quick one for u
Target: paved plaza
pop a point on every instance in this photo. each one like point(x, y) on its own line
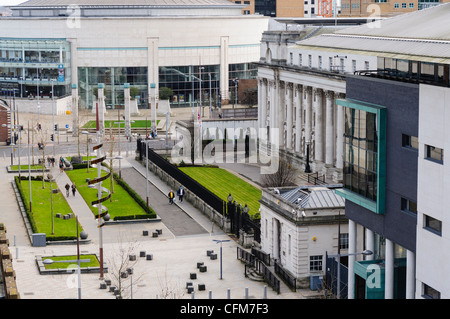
point(186, 237)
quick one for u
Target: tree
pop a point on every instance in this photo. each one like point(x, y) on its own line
point(134, 91)
point(165, 93)
point(250, 97)
point(285, 176)
point(121, 266)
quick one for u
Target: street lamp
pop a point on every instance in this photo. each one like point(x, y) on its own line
point(49, 261)
point(146, 169)
point(217, 242)
point(113, 158)
point(338, 256)
point(87, 147)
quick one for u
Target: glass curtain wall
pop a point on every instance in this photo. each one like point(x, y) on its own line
point(113, 78)
point(186, 82)
point(360, 147)
point(35, 65)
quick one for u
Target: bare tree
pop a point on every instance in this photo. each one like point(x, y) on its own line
point(285, 176)
point(168, 289)
point(121, 265)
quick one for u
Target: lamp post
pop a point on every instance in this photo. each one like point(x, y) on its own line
point(338, 256)
point(49, 261)
point(113, 158)
point(87, 148)
point(217, 242)
point(146, 168)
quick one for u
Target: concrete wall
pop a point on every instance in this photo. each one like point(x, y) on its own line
point(46, 106)
point(433, 190)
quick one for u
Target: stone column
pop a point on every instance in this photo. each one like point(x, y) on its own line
point(370, 243)
point(318, 131)
point(351, 258)
point(263, 103)
point(298, 97)
point(74, 110)
point(308, 114)
point(389, 270)
point(280, 113)
point(289, 115)
point(329, 128)
point(100, 108)
point(152, 64)
point(340, 135)
point(410, 274)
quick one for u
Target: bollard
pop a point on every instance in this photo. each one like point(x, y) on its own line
point(228, 294)
point(246, 293)
point(210, 294)
point(192, 295)
point(265, 292)
point(17, 252)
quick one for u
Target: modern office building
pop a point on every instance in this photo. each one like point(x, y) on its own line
point(394, 138)
point(187, 46)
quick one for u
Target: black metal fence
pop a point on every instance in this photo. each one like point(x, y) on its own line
point(331, 277)
point(199, 190)
point(290, 280)
point(239, 219)
point(261, 268)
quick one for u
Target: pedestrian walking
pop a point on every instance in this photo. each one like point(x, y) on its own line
point(61, 166)
point(74, 189)
point(180, 193)
point(67, 187)
point(171, 196)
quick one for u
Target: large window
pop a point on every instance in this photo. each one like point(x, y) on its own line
point(364, 173)
point(360, 160)
point(113, 79)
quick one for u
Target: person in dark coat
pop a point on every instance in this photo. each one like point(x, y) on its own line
point(171, 195)
point(180, 193)
point(67, 187)
point(74, 189)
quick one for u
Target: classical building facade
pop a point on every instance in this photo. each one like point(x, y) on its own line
point(297, 90)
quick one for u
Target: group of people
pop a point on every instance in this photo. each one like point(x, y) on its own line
point(67, 187)
point(180, 194)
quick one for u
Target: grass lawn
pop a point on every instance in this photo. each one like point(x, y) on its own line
point(222, 183)
point(136, 124)
point(120, 204)
point(41, 214)
point(72, 261)
point(25, 167)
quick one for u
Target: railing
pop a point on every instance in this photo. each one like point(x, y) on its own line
point(245, 256)
point(265, 258)
point(269, 277)
point(251, 260)
point(192, 185)
point(290, 280)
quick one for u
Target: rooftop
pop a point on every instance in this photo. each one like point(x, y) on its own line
point(314, 197)
point(421, 35)
point(121, 3)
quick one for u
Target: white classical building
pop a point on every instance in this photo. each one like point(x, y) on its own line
point(300, 226)
point(297, 87)
point(187, 46)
